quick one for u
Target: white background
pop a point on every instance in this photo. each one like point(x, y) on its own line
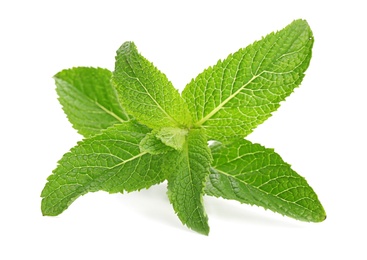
point(319, 129)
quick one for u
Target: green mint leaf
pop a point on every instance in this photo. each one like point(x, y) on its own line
point(151, 144)
point(88, 99)
point(146, 93)
point(189, 170)
point(173, 137)
point(252, 174)
point(237, 94)
point(110, 161)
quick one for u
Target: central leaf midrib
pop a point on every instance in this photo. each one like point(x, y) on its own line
point(85, 187)
point(191, 182)
point(81, 93)
point(109, 112)
point(262, 191)
point(214, 111)
point(128, 160)
point(147, 92)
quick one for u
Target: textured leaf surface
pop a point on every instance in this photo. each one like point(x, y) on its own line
point(111, 162)
point(237, 94)
point(88, 99)
point(189, 170)
point(173, 137)
point(145, 92)
point(151, 144)
point(250, 173)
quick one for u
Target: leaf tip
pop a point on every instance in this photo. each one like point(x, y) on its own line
point(300, 21)
point(206, 232)
point(46, 212)
point(127, 47)
point(322, 217)
point(203, 230)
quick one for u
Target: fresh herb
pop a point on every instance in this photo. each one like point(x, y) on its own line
point(139, 131)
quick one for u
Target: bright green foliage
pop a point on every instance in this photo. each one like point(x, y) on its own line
point(111, 161)
point(88, 99)
point(173, 137)
point(187, 179)
point(151, 144)
point(164, 136)
point(252, 174)
point(237, 94)
point(145, 92)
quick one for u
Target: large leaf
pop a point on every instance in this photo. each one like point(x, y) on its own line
point(145, 92)
point(88, 99)
point(231, 98)
point(188, 171)
point(252, 174)
point(111, 161)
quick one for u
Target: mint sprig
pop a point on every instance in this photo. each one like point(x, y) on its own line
point(139, 131)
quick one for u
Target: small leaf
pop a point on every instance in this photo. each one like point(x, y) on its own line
point(151, 144)
point(237, 94)
point(111, 162)
point(189, 169)
point(146, 93)
point(173, 137)
point(89, 100)
point(252, 174)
